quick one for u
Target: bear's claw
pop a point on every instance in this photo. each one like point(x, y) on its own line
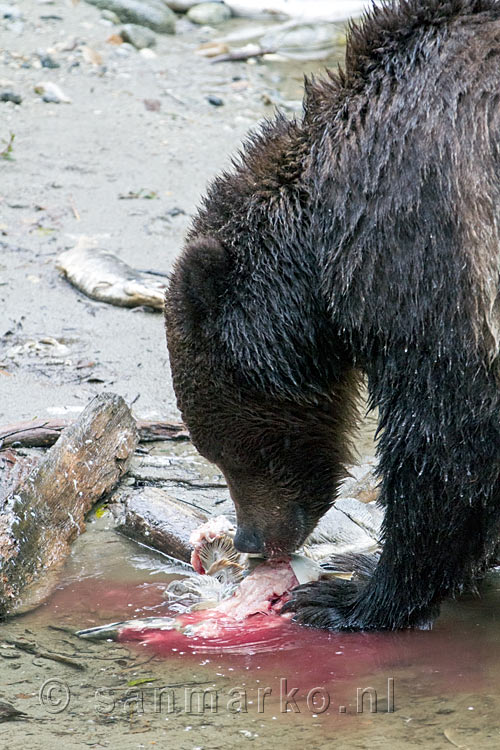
point(326, 604)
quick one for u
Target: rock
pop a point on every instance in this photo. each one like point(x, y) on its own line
point(153, 14)
point(10, 11)
point(152, 105)
point(108, 15)
point(182, 6)
point(147, 53)
point(319, 10)
point(10, 96)
point(209, 14)
point(215, 101)
point(48, 62)
point(139, 36)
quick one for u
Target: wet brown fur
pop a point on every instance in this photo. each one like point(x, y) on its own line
point(363, 238)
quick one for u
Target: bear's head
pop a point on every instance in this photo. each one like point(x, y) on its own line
point(282, 452)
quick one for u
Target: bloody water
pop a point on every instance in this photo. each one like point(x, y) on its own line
point(461, 654)
point(274, 682)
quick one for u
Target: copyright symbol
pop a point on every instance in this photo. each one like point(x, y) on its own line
point(54, 696)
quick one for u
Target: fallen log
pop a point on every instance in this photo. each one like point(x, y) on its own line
point(14, 470)
point(42, 433)
point(39, 521)
point(152, 517)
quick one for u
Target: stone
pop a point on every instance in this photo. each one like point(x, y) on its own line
point(215, 101)
point(48, 62)
point(10, 96)
point(182, 6)
point(138, 36)
point(153, 14)
point(108, 15)
point(209, 14)
point(10, 11)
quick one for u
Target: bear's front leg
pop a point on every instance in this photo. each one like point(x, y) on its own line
point(441, 491)
point(337, 604)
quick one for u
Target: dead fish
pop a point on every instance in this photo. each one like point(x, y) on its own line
point(104, 277)
point(221, 560)
point(199, 592)
point(8, 712)
point(351, 528)
point(113, 629)
point(320, 9)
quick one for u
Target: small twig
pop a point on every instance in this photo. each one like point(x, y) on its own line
point(74, 208)
point(30, 648)
point(6, 153)
point(195, 484)
point(243, 54)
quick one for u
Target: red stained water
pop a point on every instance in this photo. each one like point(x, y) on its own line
point(462, 653)
point(444, 659)
point(256, 635)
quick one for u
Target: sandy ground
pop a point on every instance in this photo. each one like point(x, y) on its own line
point(70, 164)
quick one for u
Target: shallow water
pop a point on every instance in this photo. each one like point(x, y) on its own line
point(431, 688)
point(362, 689)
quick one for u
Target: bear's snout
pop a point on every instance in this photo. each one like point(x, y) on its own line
point(248, 540)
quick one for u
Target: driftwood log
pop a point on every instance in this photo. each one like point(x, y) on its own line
point(42, 433)
point(46, 512)
point(14, 470)
point(154, 518)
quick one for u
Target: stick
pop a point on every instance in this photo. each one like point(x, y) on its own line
point(41, 433)
point(30, 648)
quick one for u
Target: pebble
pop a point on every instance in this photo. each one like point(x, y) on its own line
point(10, 96)
point(147, 53)
point(137, 36)
point(153, 14)
point(152, 105)
point(48, 62)
point(10, 11)
point(216, 101)
point(108, 15)
point(209, 14)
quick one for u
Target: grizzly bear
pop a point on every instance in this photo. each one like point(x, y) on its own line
point(360, 241)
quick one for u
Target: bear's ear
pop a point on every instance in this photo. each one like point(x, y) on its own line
point(200, 281)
